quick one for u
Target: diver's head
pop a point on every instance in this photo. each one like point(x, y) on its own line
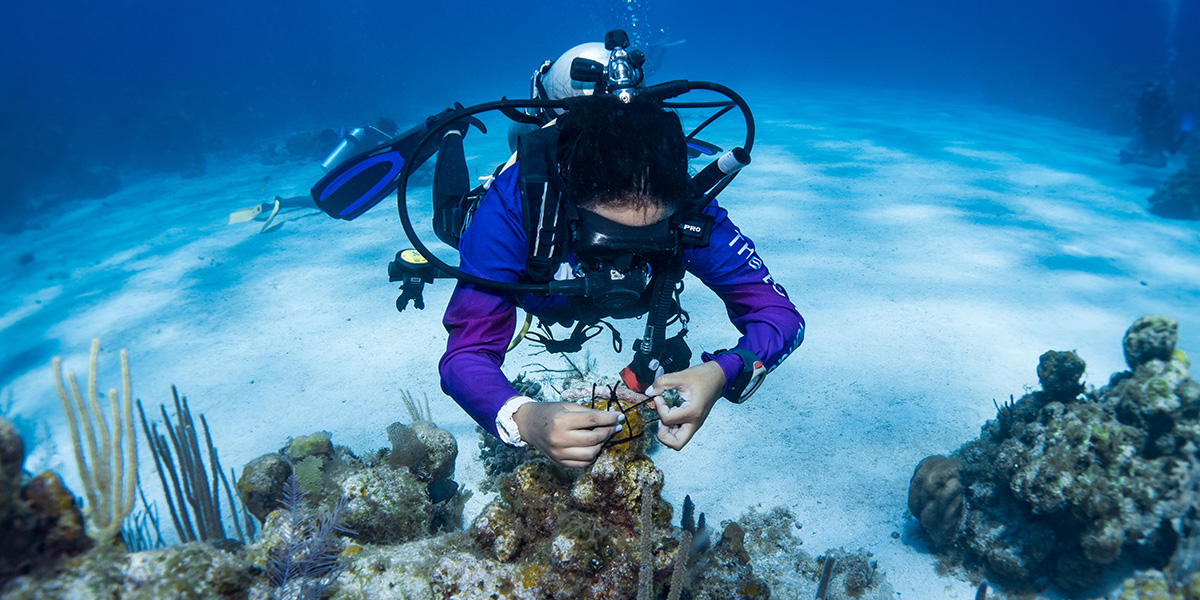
point(624, 166)
point(623, 156)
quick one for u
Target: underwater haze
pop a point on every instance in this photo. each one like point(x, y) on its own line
point(937, 184)
point(139, 86)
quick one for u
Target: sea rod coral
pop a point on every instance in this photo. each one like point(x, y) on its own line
point(109, 467)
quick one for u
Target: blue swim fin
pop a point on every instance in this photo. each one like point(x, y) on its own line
point(353, 187)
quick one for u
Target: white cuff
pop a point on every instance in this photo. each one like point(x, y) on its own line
point(506, 426)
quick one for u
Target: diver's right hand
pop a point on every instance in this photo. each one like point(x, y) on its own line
point(570, 434)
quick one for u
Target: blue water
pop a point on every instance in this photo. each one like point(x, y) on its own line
point(937, 179)
point(141, 85)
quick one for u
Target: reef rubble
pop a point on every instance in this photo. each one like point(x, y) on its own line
point(388, 526)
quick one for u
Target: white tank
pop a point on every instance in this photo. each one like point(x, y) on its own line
point(557, 80)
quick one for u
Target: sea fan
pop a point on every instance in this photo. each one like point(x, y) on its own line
point(303, 565)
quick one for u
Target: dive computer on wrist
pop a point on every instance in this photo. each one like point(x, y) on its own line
point(747, 381)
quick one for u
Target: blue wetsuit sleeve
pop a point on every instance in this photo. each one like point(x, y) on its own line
point(480, 321)
point(757, 305)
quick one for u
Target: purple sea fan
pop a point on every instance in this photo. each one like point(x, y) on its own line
point(303, 565)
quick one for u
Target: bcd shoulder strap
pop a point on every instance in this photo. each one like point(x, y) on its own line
point(545, 217)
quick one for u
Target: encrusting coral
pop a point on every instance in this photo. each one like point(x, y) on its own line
point(1066, 480)
point(575, 534)
point(1154, 585)
point(935, 497)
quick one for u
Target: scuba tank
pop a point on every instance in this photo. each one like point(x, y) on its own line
point(355, 142)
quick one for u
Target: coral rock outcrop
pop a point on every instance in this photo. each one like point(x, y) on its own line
point(194, 571)
point(39, 519)
point(390, 500)
point(579, 534)
point(1150, 337)
point(424, 449)
point(386, 506)
point(1179, 196)
point(12, 456)
point(261, 484)
point(1061, 484)
point(1060, 373)
point(575, 535)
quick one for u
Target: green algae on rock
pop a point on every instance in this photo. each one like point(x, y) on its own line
point(316, 444)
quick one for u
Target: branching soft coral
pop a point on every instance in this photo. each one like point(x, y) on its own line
point(304, 564)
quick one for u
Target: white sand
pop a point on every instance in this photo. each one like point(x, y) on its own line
point(936, 249)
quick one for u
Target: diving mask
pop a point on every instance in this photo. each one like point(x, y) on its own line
point(618, 260)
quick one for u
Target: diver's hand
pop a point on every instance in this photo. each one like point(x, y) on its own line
point(699, 387)
point(570, 434)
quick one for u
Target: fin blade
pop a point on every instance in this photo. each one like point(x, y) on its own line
point(245, 214)
point(271, 217)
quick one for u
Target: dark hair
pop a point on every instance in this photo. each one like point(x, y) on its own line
point(624, 154)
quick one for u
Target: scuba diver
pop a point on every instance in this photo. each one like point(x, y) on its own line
point(624, 168)
point(593, 217)
point(1158, 131)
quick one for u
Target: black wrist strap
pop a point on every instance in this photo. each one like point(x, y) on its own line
point(748, 379)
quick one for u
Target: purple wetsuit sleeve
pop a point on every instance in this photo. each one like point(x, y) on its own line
point(770, 325)
point(480, 321)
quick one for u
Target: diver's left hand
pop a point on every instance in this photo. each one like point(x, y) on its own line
point(699, 388)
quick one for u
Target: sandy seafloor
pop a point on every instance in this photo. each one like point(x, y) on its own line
point(935, 247)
